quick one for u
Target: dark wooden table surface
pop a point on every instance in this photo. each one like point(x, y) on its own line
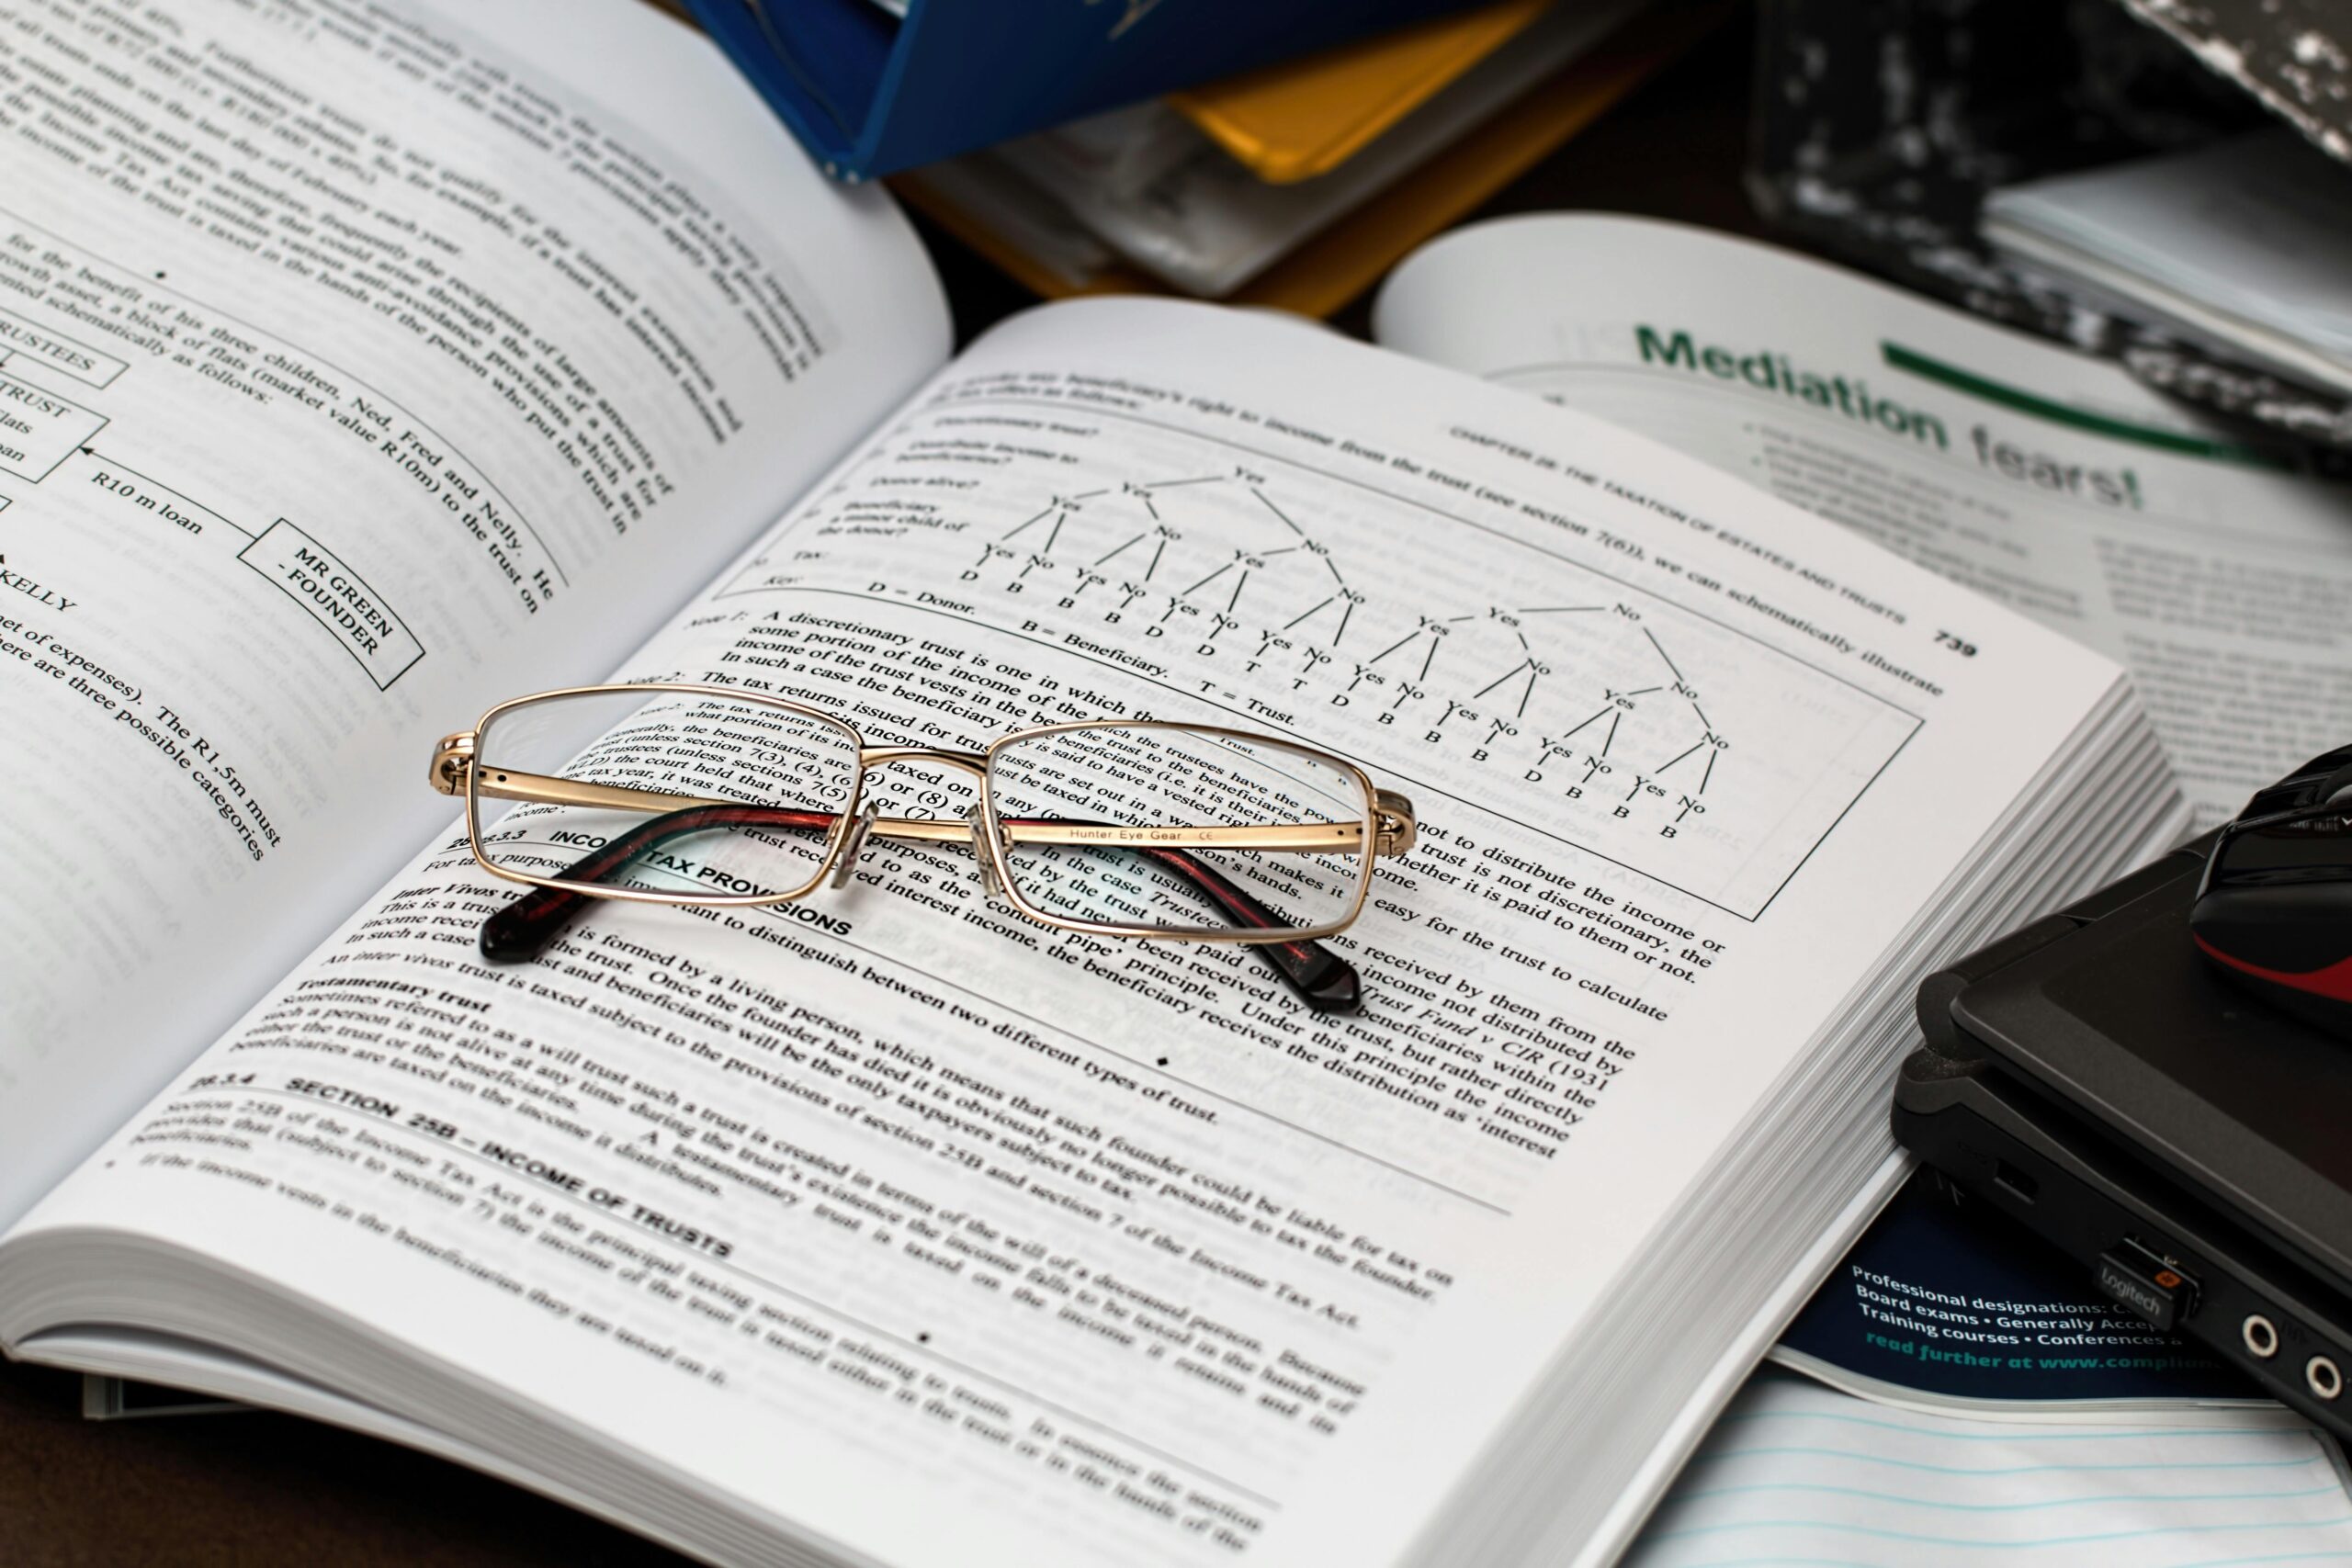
point(262, 1491)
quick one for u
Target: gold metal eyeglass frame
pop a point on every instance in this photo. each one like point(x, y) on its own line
point(1388, 824)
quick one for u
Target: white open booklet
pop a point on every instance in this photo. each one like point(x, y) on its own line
point(886, 1226)
point(2205, 561)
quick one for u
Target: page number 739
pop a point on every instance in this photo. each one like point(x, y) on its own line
point(1959, 645)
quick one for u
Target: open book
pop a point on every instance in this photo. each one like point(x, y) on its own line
point(361, 376)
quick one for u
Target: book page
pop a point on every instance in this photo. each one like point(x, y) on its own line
point(2239, 246)
point(1796, 1472)
point(352, 370)
point(2047, 480)
point(1111, 1250)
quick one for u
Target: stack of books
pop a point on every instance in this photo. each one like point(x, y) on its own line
point(1299, 185)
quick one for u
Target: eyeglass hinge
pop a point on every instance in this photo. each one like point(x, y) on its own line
point(1394, 832)
point(451, 758)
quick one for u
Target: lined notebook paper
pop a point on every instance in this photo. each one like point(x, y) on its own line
point(1795, 1473)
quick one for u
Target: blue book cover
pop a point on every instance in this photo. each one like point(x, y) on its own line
point(869, 92)
point(1936, 1305)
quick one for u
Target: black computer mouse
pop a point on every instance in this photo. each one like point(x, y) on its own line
point(2274, 912)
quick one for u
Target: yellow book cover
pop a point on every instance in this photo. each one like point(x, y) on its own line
point(1304, 118)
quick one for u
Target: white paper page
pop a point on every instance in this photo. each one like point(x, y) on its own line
point(1112, 1251)
point(2049, 482)
point(1795, 1473)
point(2245, 242)
point(351, 371)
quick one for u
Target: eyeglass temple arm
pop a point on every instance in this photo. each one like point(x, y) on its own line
point(1320, 978)
point(1393, 822)
point(524, 930)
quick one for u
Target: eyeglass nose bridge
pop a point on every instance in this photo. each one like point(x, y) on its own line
point(972, 762)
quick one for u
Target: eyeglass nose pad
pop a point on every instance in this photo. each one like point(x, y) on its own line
point(857, 831)
point(990, 884)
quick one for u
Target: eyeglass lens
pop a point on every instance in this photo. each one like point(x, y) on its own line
point(800, 771)
point(1147, 778)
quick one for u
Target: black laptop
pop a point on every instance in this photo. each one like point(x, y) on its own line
point(2191, 1147)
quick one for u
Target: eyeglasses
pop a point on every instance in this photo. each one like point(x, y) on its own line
point(668, 792)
